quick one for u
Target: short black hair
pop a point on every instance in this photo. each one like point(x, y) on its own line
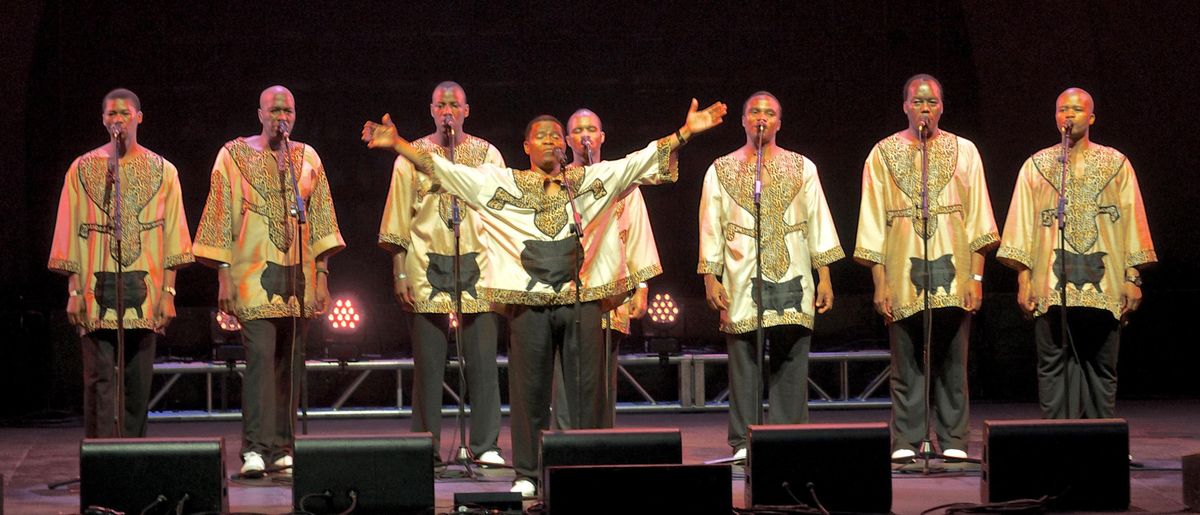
point(762, 93)
point(923, 77)
point(121, 93)
point(542, 118)
point(449, 84)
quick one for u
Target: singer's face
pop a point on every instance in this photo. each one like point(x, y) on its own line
point(761, 109)
point(924, 99)
point(274, 107)
point(581, 125)
point(449, 101)
point(121, 110)
point(1075, 105)
point(543, 138)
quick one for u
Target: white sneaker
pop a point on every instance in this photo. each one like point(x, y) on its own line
point(283, 465)
point(740, 454)
point(903, 454)
point(253, 465)
point(525, 487)
point(490, 458)
point(955, 454)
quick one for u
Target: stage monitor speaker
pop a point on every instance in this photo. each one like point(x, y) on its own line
point(498, 503)
point(1191, 482)
point(392, 474)
point(641, 446)
point(1082, 464)
point(644, 489)
point(848, 466)
point(173, 474)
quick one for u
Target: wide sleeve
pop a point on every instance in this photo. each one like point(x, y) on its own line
point(324, 235)
point(641, 252)
point(214, 235)
point(1139, 248)
point(469, 183)
point(872, 213)
point(823, 244)
point(980, 222)
point(395, 228)
point(494, 157)
point(654, 164)
point(712, 220)
point(1016, 250)
point(177, 239)
point(65, 251)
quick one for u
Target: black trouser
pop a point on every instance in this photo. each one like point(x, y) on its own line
point(1083, 383)
point(788, 376)
point(430, 336)
point(562, 404)
point(948, 384)
point(99, 349)
point(537, 333)
point(272, 380)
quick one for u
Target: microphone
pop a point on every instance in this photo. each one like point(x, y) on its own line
point(117, 131)
point(923, 127)
point(446, 119)
point(1067, 126)
point(284, 129)
point(586, 141)
point(561, 156)
point(761, 125)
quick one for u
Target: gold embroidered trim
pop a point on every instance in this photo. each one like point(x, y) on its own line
point(471, 152)
point(216, 225)
point(1140, 257)
point(395, 239)
point(900, 156)
point(668, 169)
point(1085, 298)
point(785, 174)
point(710, 267)
point(567, 296)
point(442, 303)
point(1015, 254)
point(940, 300)
point(178, 260)
point(550, 211)
point(1101, 165)
point(141, 179)
point(770, 319)
point(130, 323)
point(868, 255)
point(267, 176)
point(276, 310)
point(63, 265)
point(821, 259)
point(988, 240)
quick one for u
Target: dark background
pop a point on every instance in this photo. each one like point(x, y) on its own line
point(837, 67)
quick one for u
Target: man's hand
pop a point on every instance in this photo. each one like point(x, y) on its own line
point(165, 312)
point(403, 293)
point(1026, 298)
point(380, 135)
point(322, 294)
point(638, 304)
point(973, 295)
point(226, 298)
point(883, 301)
point(714, 293)
point(75, 313)
point(700, 121)
point(823, 301)
point(1131, 298)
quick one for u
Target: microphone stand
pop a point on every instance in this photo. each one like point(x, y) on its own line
point(1065, 331)
point(463, 455)
point(926, 451)
point(300, 212)
point(760, 332)
point(608, 393)
point(577, 231)
point(114, 169)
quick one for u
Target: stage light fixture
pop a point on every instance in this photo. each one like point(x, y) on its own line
point(226, 332)
point(663, 310)
point(345, 317)
point(343, 329)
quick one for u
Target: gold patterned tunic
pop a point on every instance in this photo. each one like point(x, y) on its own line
point(798, 236)
point(154, 233)
point(531, 249)
point(891, 231)
point(416, 220)
point(627, 221)
point(246, 223)
point(1106, 230)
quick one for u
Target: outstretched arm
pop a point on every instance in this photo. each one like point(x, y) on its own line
point(384, 135)
point(698, 122)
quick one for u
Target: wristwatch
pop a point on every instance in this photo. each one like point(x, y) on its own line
point(977, 278)
point(1135, 279)
point(169, 289)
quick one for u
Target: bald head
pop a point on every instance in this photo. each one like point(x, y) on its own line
point(1077, 95)
point(582, 112)
point(276, 104)
point(1075, 107)
point(453, 88)
point(269, 96)
point(582, 124)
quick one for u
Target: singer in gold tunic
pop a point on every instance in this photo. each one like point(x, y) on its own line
point(1107, 243)
point(798, 237)
point(249, 234)
point(627, 221)
point(527, 217)
point(416, 229)
point(891, 237)
point(154, 243)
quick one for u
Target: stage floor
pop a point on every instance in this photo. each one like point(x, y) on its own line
point(1160, 433)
